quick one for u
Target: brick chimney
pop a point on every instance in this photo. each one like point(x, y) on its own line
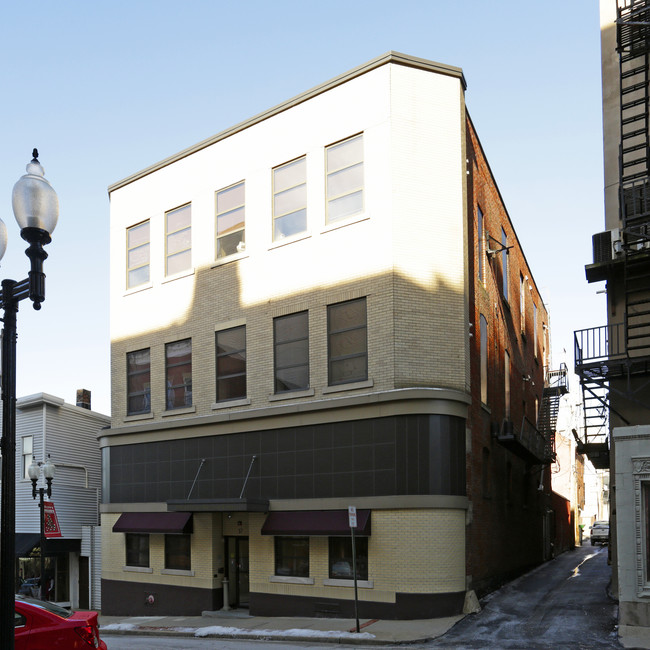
point(83, 398)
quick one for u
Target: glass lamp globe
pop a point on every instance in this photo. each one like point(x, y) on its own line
point(34, 201)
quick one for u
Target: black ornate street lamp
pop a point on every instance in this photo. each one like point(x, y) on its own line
point(36, 208)
point(34, 472)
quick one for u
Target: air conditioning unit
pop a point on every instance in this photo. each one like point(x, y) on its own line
point(607, 245)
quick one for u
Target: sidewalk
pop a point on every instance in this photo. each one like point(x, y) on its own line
point(238, 624)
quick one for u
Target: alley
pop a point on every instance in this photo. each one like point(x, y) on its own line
point(561, 604)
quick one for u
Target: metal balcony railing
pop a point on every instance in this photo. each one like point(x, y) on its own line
point(599, 344)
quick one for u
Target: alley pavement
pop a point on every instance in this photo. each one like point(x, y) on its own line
point(560, 604)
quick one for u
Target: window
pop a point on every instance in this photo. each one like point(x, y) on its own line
point(486, 473)
point(178, 240)
point(484, 359)
point(178, 362)
point(291, 341)
point(137, 255)
point(28, 454)
point(231, 363)
point(522, 302)
point(535, 329)
point(347, 342)
point(137, 549)
point(504, 262)
point(345, 179)
point(340, 557)
point(290, 199)
point(480, 242)
point(138, 382)
point(292, 556)
point(178, 553)
point(230, 220)
point(506, 391)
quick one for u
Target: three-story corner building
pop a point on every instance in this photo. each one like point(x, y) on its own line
point(49, 427)
point(325, 306)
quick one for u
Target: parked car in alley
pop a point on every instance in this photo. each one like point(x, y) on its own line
point(41, 625)
point(600, 533)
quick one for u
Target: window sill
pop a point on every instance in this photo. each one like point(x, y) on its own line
point(141, 287)
point(176, 572)
point(294, 580)
point(335, 225)
point(230, 258)
point(139, 416)
point(339, 582)
point(232, 402)
point(138, 569)
point(369, 383)
point(178, 276)
point(179, 411)
point(289, 240)
point(486, 408)
point(277, 397)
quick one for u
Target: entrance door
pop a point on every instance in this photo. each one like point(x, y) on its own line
point(237, 550)
point(84, 587)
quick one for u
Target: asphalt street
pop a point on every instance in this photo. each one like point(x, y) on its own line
point(563, 603)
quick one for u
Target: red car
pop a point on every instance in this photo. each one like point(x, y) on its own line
point(42, 625)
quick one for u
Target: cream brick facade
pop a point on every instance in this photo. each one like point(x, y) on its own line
point(393, 444)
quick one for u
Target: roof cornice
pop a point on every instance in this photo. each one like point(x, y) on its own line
point(389, 57)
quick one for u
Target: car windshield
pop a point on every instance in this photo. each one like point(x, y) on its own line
point(50, 607)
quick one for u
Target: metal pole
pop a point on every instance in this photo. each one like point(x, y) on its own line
point(41, 494)
point(354, 573)
point(8, 447)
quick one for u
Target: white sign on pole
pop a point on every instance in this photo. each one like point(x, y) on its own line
point(352, 516)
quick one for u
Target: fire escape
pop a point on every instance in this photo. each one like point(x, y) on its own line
point(536, 444)
point(614, 360)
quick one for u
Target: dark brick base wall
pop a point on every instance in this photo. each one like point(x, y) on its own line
point(121, 598)
point(405, 607)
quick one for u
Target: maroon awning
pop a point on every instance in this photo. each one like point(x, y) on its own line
point(154, 522)
point(329, 523)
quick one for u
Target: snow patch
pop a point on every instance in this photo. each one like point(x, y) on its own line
point(297, 632)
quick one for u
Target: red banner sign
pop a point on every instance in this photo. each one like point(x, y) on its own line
point(52, 528)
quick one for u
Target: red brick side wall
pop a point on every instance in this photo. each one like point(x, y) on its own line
point(505, 533)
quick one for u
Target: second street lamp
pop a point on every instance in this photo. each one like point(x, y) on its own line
point(34, 471)
point(36, 209)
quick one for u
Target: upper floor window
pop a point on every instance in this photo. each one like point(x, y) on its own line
point(178, 361)
point(138, 382)
point(484, 358)
point(137, 254)
point(479, 228)
point(290, 199)
point(230, 220)
point(504, 262)
point(28, 454)
point(345, 178)
point(291, 343)
point(347, 342)
point(535, 329)
point(178, 239)
point(506, 387)
point(231, 363)
point(522, 302)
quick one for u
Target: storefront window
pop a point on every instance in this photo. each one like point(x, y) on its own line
point(137, 549)
point(340, 557)
point(292, 556)
point(178, 553)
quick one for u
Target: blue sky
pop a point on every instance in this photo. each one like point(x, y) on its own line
point(104, 89)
